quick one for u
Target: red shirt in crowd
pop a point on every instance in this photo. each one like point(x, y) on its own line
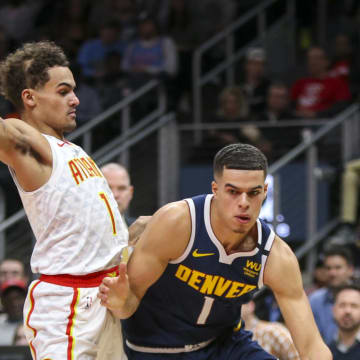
point(313, 94)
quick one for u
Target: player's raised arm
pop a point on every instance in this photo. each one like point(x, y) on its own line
point(282, 275)
point(25, 150)
point(164, 239)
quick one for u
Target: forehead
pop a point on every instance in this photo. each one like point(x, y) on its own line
point(60, 75)
point(242, 178)
point(117, 176)
point(335, 260)
point(348, 295)
point(11, 265)
point(316, 53)
point(278, 90)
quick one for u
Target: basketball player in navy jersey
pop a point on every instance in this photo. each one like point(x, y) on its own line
point(198, 260)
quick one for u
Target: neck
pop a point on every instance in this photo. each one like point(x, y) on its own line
point(232, 241)
point(348, 337)
point(42, 127)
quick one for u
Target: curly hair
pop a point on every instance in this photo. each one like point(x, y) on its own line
point(27, 67)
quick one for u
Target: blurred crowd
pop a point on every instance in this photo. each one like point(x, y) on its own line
point(116, 46)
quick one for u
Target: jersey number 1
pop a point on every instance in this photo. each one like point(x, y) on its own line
point(106, 201)
point(205, 311)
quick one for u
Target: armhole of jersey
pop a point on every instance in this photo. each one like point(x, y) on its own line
point(53, 172)
point(191, 205)
point(264, 257)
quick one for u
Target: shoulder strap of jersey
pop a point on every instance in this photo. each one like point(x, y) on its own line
point(268, 237)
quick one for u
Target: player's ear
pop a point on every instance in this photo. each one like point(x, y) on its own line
point(265, 188)
point(214, 187)
point(28, 97)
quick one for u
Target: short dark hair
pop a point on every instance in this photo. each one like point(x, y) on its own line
point(27, 67)
point(240, 157)
point(352, 285)
point(339, 250)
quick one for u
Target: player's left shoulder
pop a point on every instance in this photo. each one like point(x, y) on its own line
point(281, 251)
point(282, 264)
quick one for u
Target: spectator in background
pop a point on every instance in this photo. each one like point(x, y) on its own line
point(344, 63)
point(274, 337)
point(278, 109)
point(319, 278)
point(342, 59)
point(12, 269)
point(346, 344)
point(149, 56)
point(92, 53)
point(319, 95)
point(118, 179)
point(13, 293)
point(339, 265)
point(232, 109)
point(277, 104)
point(255, 85)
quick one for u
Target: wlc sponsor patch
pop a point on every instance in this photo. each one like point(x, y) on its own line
point(252, 268)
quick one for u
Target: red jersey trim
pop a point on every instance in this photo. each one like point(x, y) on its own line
point(80, 281)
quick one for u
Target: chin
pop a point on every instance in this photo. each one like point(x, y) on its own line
point(70, 127)
point(241, 229)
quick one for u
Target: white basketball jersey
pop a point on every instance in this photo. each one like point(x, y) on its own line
point(74, 216)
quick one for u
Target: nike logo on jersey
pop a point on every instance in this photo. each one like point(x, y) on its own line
point(196, 254)
point(63, 143)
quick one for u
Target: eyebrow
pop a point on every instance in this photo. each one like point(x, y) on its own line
point(258, 187)
point(66, 84)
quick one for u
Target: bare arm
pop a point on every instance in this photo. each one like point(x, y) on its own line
point(26, 151)
point(282, 275)
point(164, 239)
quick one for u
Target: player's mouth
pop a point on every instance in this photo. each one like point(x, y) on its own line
point(72, 113)
point(243, 218)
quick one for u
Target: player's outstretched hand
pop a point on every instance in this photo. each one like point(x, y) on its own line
point(114, 291)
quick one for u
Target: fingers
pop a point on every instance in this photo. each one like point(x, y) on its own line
point(103, 294)
point(104, 290)
point(122, 273)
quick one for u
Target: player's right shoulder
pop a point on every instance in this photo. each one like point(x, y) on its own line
point(171, 221)
point(20, 139)
point(13, 134)
point(175, 213)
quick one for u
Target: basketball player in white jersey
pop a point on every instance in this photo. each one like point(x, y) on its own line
point(74, 216)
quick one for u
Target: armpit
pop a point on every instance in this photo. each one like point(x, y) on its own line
point(22, 145)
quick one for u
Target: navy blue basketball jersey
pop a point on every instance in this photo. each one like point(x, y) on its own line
point(199, 295)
